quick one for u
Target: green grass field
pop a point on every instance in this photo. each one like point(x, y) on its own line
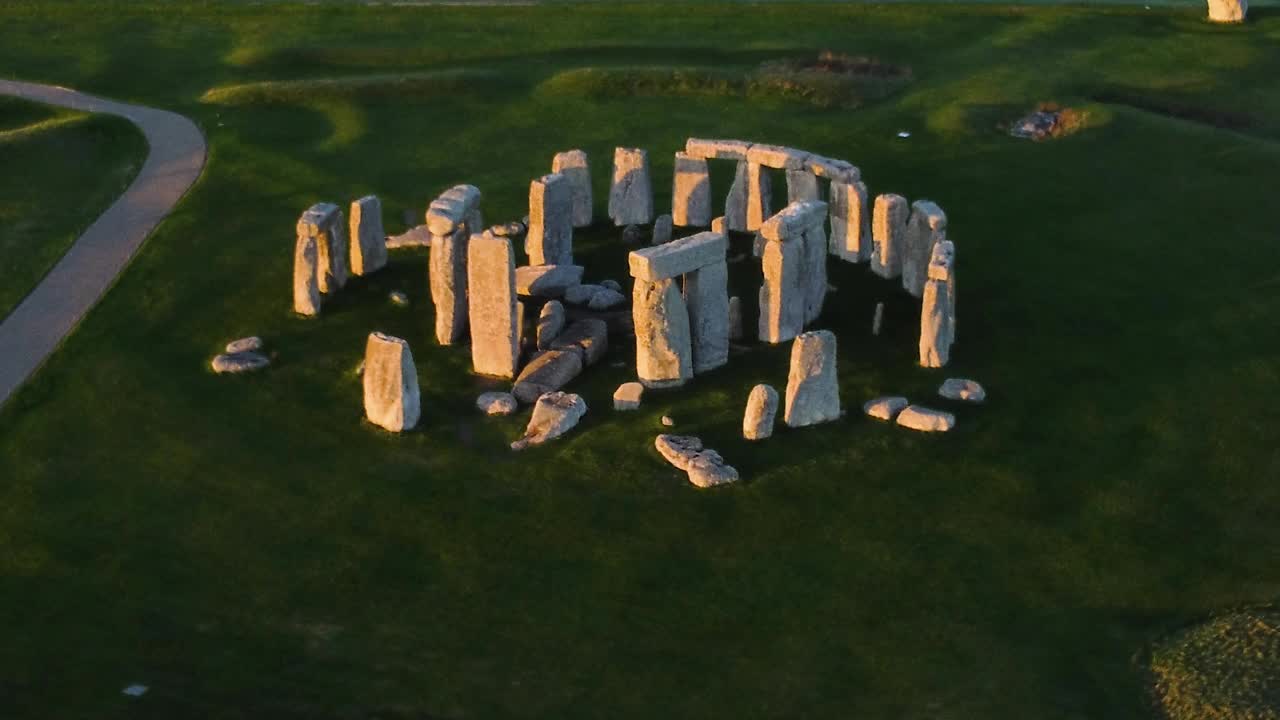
point(61, 170)
point(249, 547)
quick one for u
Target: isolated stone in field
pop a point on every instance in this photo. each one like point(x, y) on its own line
point(497, 403)
point(306, 290)
point(877, 319)
point(691, 192)
point(706, 295)
point(574, 165)
point(962, 389)
point(759, 194)
point(239, 362)
point(1228, 11)
point(718, 224)
point(244, 344)
point(885, 408)
point(452, 208)
point(550, 323)
point(589, 336)
point(813, 394)
point(606, 299)
point(678, 256)
point(547, 372)
point(491, 278)
point(368, 238)
point(925, 419)
point(889, 235)
point(735, 203)
point(762, 410)
point(802, 186)
point(708, 469)
point(663, 347)
point(927, 226)
point(391, 398)
point(550, 237)
point(554, 414)
point(735, 318)
point(447, 273)
point(717, 149)
point(581, 294)
point(627, 396)
point(662, 230)
point(631, 195)
point(850, 222)
point(781, 296)
point(678, 450)
point(548, 281)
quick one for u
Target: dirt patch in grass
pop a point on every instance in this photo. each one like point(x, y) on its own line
point(1049, 121)
point(1227, 668)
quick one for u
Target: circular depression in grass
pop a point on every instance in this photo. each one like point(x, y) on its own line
point(1226, 668)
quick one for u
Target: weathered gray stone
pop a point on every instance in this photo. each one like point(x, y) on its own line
point(691, 192)
point(717, 149)
point(759, 195)
point(782, 300)
point(708, 469)
point(1228, 11)
point(581, 294)
point(632, 235)
point(447, 273)
point(735, 318)
point(813, 392)
point(834, 170)
point(761, 412)
point(550, 324)
point(452, 208)
point(662, 230)
point(631, 195)
point(802, 186)
point(497, 403)
point(244, 344)
point(550, 237)
point(554, 414)
point(942, 267)
point(850, 222)
point(547, 372)
point(937, 322)
point(513, 229)
point(706, 295)
point(778, 157)
point(627, 396)
point(735, 203)
point(813, 278)
point(678, 256)
point(718, 225)
point(612, 285)
point(368, 238)
point(416, 236)
point(962, 389)
point(925, 419)
point(606, 299)
point(548, 281)
point(885, 408)
point(589, 336)
point(306, 289)
point(239, 362)
point(491, 279)
point(927, 226)
point(574, 165)
point(793, 220)
point(889, 235)
point(878, 319)
point(679, 450)
point(663, 349)
point(391, 398)
point(324, 222)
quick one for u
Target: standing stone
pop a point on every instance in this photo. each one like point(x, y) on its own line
point(762, 409)
point(368, 238)
point(306, 292)
point(850, 222)
point(631, 195)
point(573, 165)
point(813, 393)
point(878, 319)
point(759, 194)
point(1228, 11)
point(718, 225)
point(550, 236)
point(889, 235)
point(706, 294)
point(735, 204)
point(814, 275)
point(447, 273)
point(662, 230)
point(928, 225)
point(491, 280)
point(781, 300)
point(391, 398)
point(691, 192)
point(324, 221)
point(937, 320)
point(735, 318)
point(454, 207)
point(550, 323)
point(802, 186)
point(663, 347)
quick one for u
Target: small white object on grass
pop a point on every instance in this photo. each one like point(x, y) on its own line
point(135, 690)
point(399, 298)
point(667, 421)
point(904, 134)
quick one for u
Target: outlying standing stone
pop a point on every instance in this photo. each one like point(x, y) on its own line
point(885, 408)
point(391, 398)
point(663, 346)
point(889, 234)
point(550, 323)
point(927, 226)
point(627, 396)
point(762, 409)
point(550, 236)
point(497, 403)
point(554, 414)
point(491, 278)
point(631, 195)
point(368, 238)
point(588, 336)
point(691, 192)
point(962, 389)
point(573, 164)
point(925, 419)
point(447, 273)
point(813, 393)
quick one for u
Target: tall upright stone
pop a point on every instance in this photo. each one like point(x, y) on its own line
point(813, 390)
point(800, 224)
point(691, 192)
point(324, 222)
point(735, 203)
point(495, 324)
point(781, 298)
point(927, 226)
point(306, 291)
point(1228, 11)
point(550, 237)
point(889, 235)
point(447, 275)
point(850, 222)
point(937, 308)
point(663, 347)
point(706, 294)
point(759, 195)
point(391, 396)
point(368, 238)
point(574, 166)
point(802, 186)
point(762, 409)
point(631, 194)
point(814, 275)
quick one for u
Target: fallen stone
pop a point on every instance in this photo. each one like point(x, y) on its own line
point(497, 403)
point(451, 208)
point(398, 298)
point(691, 192)
point(717, 149)
point(663, 228)
point(391, 398)
point(245, 344)
point(447, 274)
point(417, 236)
point(678, 256)
point(547, 372)
point(306, 290)
point(627, 396)
point(925, 419)
point(368, 238)
point(708, 469)
point(762, 410)
point(589, 336)
point(547, 281)
point(885, 408)
point(631, 194)
point(1228, 11)
point(554, 414)
point(550, 323)
point(962, 389)
point(606, 299)
point(581, 294)
point(706, 295)
point(679, 450)
point(491, 277)
point(574, 166)
point(663, 346)
point(239, 362)
point(889, 235)
point(550, 237)
point(813, 392)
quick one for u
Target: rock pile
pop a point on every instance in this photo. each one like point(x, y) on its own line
point(705, 467)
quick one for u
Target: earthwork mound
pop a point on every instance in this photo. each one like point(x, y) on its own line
point(1227, 668)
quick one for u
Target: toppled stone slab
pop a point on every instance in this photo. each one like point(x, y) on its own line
point(550, 324)
point(547, 372)
point(453, 207)
point(962, 389)
point(589, 336)
point(678, 256)
point(239, 362)
point(627, 396)
point(581, 294)
point(391, 398)
point(244, 344)
point(497, 403)
point(813, 393)
point(834, 170)
point(606, 299)
point(417, 236)
point(679, 450)
point(885, 408)
point(691, 192)
point(368, 238)
point(761, 412)
point(613, 285)
point(576, 168)
point(717, 149)
point(778, 157)
point(554, 414)
point(547, 281)
point(550, 237)
point(925, 419)
point(708, 469)
point(631, 194)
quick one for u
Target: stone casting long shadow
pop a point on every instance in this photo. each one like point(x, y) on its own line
point(176, 156)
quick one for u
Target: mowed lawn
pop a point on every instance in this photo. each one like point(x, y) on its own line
point(61, 169)
point(250, 547)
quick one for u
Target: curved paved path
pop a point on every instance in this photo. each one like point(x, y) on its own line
point(52, 310)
